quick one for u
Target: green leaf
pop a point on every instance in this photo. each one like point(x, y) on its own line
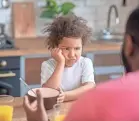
point(48, 14)
point(67, 7)
point(52, 9)
point(52, 3)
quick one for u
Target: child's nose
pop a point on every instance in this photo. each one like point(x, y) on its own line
point(72, 53)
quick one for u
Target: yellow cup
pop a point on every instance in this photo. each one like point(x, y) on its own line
point(59, 112)
point(6, 108)
point(59, 117)
point(6, 113)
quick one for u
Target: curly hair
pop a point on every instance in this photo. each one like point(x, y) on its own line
point(67, 26)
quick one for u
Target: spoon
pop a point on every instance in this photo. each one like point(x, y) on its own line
point(22, 80)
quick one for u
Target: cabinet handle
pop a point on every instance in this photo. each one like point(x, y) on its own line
point(9, 74)
point(3, 63)
point(115, 76)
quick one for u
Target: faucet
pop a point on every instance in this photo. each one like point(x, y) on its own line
point(107, 30)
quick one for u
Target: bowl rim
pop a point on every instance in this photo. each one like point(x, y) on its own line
point(43, 88)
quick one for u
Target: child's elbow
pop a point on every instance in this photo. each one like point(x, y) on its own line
point(90, 85)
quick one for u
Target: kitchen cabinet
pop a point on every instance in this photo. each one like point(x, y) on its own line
point(106, 77)
point(31, 69)
point(9, 75)
point(107, 65)
point(107, 59)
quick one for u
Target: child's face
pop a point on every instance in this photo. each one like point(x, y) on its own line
point(71, 50)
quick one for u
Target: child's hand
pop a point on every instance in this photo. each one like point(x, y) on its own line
point(57, 55)
point(61, 97)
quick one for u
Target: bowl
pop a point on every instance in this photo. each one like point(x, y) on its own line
point(49, 96)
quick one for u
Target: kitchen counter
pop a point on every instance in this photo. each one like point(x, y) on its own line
point(19, 113)
point(32, 46)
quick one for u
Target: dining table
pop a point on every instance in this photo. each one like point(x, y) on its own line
point(19, 112)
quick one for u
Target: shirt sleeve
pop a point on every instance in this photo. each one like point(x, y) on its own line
point(47, 70)
point(87, 71)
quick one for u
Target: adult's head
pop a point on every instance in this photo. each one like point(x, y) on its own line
point(130, 49)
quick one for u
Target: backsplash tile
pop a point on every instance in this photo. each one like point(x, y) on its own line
point(94, 11)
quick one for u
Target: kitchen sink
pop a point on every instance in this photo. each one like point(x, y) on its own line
point(109, 37)
point(108, 34)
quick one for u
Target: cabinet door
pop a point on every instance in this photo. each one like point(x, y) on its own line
point(107, 65)
point(107, 59)
point(106, 77)
point(33, 70)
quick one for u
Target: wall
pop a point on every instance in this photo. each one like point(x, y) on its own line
point(95, 11)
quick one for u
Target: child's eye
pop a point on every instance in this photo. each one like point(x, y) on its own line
point(77, 48)
point(66, 48)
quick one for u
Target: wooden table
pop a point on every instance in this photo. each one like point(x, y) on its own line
point(19, 113)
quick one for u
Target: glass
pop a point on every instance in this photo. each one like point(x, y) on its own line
point(59, 112)
point(6, 107)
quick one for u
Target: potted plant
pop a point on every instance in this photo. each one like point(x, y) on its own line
point(52, 9)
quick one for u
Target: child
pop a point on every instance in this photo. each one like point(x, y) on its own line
point(68, 70)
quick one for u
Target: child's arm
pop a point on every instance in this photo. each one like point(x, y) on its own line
point(54, 79)
point(74, 94)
